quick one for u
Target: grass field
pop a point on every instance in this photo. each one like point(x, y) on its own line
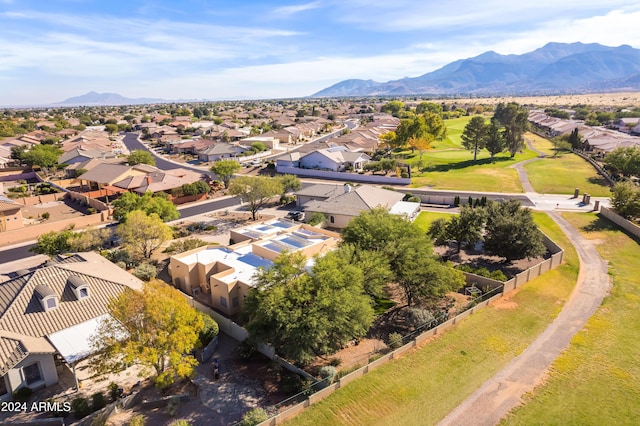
point(597, 380)
point(455, 127)
point(425, 385)
point(562, 174)
point(540, 143)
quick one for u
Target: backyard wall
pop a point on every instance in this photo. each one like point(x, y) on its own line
point(623, 223)
point(32, 232)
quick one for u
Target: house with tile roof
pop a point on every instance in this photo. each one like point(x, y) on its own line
point(48, 315)
point(342, 203)
point(336, 159)
point(10, 215)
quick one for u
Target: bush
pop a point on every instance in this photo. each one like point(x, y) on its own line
point(46, 215)
point(22, 394)
point(335, 361)
point(328, 373)
point(114, 391)
point(80, 407)
point(145, 271)
point(137, 420)
point(181, 422)
point(317, 218)
point(209, 331)
point(291, 383)
point(417, 317)
point(253, 417)
point(98, 401)
point(395, 340)
point(247, 350)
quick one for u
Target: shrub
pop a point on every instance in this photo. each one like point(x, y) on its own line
point(172, 406)
point(22, 394)
point(181, 422)
point(137, 420)
point(253, 417)
point(98, 401)
point(291, 383)
point(417, 317)
point(328, 373)
point(80, 407)
point(247, 350)
point(46, 215)
point(335, 361)
point(395, 340)
point(145, 271)
point(209, 331)
point(114, 391)
point(317, 218)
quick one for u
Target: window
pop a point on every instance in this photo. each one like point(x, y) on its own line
point(234, 302)
point(223, 302)
point(332, 219)
point(83, 292)
point(32, 373)
point(3, 386)
point(51, 303)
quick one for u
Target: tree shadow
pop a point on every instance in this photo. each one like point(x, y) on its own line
point(465, 164)
point(600, 224)
point(598, 180)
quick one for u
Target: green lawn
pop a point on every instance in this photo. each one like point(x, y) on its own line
point(562, 174)
point(540, 143)
point(455, 169)
point(424, 219)
point(455, 127)
point(425, 385)
point(597, 380)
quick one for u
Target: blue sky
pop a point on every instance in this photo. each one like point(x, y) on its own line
point(195, 49)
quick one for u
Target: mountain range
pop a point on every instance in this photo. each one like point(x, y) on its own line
point(556, 68)
point(93, 98)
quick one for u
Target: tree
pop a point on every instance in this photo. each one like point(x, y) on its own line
point(374, 266)
point(110, 128)
point(154, 328)
point(429, 107)
point(290, 183)
point(302, 314)
point(475, 135)
point(224, 169)
point(466, 227)
point(510, 232)
point(43, 156)
point(140, 156)
point(18, 152)
point(53, 243)
point(256, 191)
point(438, 231)
point(514, 119)
point(407, 250)
point(141, 234)
point(574, 139)
point(389, 139)
point(495, 138)
point(561, 143)
point(393, 107)
point(427, 126)
point(92, 239)
point(421, 144)
point(148, 203)
point(624, 161)
point(625, 199)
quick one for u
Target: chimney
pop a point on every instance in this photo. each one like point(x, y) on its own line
point(347, 188)
point(149, 180)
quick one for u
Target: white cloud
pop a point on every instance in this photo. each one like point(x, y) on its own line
point(288, 11)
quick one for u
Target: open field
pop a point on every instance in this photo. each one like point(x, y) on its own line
point(596, 381)
point(540, 143)
point(455, 126)
point(455, 169)
point(426, 384)
point(596, 99)
point(562, 174)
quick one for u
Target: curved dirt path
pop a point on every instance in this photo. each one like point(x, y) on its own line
point(496, 397)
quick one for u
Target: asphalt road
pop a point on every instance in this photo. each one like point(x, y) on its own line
point(16, 253)
point(208, 207)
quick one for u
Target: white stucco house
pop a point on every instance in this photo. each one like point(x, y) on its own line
point(336, 159)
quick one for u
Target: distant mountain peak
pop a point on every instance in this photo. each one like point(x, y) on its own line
point(554, 68)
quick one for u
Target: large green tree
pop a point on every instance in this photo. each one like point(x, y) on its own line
point(155, 328)
point(53, 243)
point(467, 227)
point(624, 161)
point(475, 135)
point(140, 156)
point(142, 234)
point(149, 203)
point(625, 199)
point(513, 117)
point(303, 315)
point(43, 156)
point(408, 251)
point(255, 191)
point(510, 232)
point(428, 126)
point(495, 138)
point(224, 169)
